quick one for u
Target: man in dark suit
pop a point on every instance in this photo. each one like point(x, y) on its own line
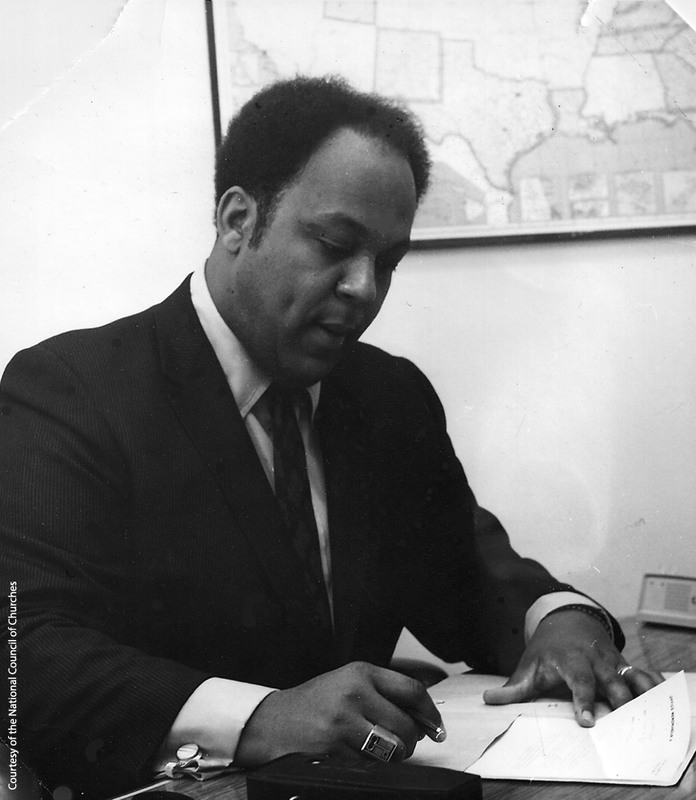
point(163, 589)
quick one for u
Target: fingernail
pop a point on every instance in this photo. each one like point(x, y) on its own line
point(587, 717)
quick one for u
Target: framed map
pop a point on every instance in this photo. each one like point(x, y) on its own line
point(543, 117)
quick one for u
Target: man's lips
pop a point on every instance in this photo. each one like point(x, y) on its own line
point(333, 334)
point(340, 329)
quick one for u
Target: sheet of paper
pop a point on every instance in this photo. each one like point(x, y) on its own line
point(472, 725)
point(647, 741)
point(647, 738)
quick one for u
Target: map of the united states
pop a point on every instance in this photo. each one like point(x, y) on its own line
point(539, 115)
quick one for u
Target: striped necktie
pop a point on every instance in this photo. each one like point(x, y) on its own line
point(292, 489)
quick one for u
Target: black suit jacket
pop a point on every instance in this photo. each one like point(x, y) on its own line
point(149, 553)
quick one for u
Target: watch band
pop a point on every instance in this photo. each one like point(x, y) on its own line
point(593, 611)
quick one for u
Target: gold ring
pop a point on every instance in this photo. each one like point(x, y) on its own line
point(379, 744)
point(624, 670)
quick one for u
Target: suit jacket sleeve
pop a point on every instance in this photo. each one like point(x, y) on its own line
point(89, 707)
point(463, 590)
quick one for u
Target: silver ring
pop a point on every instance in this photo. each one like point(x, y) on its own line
point(379, 744)
point(624, 670)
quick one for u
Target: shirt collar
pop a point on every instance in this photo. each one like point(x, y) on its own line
point(245, 379)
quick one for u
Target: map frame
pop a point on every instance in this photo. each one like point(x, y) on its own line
point(426, 234)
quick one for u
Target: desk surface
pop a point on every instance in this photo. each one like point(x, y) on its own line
point(648, 646)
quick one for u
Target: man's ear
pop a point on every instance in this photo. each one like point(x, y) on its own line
point(235, 219)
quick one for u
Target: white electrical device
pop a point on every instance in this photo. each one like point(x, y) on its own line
point(668, 600)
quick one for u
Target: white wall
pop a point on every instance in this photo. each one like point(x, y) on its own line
point(106, 188)
point(568, 373)
point(567, 369)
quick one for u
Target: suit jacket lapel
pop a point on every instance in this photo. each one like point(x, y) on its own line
point(199, 394)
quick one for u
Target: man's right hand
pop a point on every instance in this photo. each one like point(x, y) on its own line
point(334, 713)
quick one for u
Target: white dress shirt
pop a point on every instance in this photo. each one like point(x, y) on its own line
point(215, 714)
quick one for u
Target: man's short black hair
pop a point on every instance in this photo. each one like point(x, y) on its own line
point(274, 134)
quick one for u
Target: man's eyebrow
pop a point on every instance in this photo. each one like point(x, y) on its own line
point(357, 227)
point(331, 217)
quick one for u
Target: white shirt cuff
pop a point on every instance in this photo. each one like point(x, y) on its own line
point(548, 602)
point(213, 718)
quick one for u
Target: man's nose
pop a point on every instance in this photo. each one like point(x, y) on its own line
point(358, 280)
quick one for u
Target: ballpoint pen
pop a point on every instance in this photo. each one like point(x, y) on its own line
point(436, 732)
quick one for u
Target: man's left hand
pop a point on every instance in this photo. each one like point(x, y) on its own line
point(573, 648)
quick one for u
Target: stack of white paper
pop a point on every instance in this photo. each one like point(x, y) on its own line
point(648, 741)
